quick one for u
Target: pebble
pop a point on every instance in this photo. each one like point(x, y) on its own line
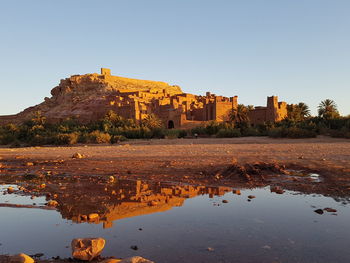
point(152, 203)
point(134, 247)
point(77, 156)
point(330, 210)
point(319, 211)
point(93, 216)
point(52, 203)
point(10, 190)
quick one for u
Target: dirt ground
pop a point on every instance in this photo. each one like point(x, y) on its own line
point(237, 162)
point(178, 158)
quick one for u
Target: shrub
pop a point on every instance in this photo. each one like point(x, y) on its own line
point(295, 133)
point(212, 128)
point(175, 133)
point(228, 133)
point(98, 137)
point(158, 133)
point(292, 132)
point(200, 130)
point(250, 131)
point(66, 138)
point(39, 139)
point(137, 133)
point(342, 133)
point(117, 138)
point(7, 138)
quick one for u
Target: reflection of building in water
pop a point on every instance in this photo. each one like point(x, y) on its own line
point(126, 198)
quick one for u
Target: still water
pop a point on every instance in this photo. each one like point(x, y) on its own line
point(183, 224)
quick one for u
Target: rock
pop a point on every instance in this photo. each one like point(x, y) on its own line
point(21, 258)
point(251, 196)
point(77, 156)
point(152, 203)
point(237, 192)
point(225, 201)
point(134, 247)
point(111, 179)
point(266, 247)
point(319, 211)
point(276, 189)
point(111, 260)
point(210, 249)
point(330, 210)
point(52, 203)
point(29, 164)
point(136, 260)
point(10, 190)
point(93, 216)
point(87, 248)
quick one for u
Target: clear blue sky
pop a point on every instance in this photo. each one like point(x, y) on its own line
point(296, 49)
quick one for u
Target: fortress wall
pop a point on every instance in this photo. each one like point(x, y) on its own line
point(258, 115)
point(223, 110)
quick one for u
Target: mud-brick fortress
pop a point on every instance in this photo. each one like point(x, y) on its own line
point(89, 97)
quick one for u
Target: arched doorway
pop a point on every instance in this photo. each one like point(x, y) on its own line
point(171, 124)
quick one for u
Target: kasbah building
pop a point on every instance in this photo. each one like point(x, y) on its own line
point(89, 97)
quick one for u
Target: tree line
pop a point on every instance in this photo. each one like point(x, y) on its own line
point(114, 128)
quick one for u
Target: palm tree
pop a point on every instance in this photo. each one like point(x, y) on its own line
point(304, 110)
point(327, 109)
point(152, 121)
point(298, 112)
point(239, 115)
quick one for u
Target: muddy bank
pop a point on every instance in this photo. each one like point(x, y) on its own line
point(193, 161)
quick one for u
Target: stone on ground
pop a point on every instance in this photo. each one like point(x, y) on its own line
point(136, 260)
point(87, 248)
point(21, 258)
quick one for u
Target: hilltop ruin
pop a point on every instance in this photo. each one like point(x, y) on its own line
point(89, 97)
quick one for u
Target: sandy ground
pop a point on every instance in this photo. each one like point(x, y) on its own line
point(195, 161)
point(177, 158)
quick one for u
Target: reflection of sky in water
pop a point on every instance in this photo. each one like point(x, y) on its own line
point(18, 199)
point(269, 228)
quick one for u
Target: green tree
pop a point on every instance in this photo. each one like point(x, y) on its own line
point(152, 121)
point(327, 109)
point(298, 112)
point(239, 115)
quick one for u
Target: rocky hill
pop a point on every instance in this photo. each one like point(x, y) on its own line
point(88, 97)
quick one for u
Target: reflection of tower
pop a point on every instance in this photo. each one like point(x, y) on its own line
point(107, 224)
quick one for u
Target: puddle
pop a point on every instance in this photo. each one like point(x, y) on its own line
point(18, 199)
point(180, 223)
